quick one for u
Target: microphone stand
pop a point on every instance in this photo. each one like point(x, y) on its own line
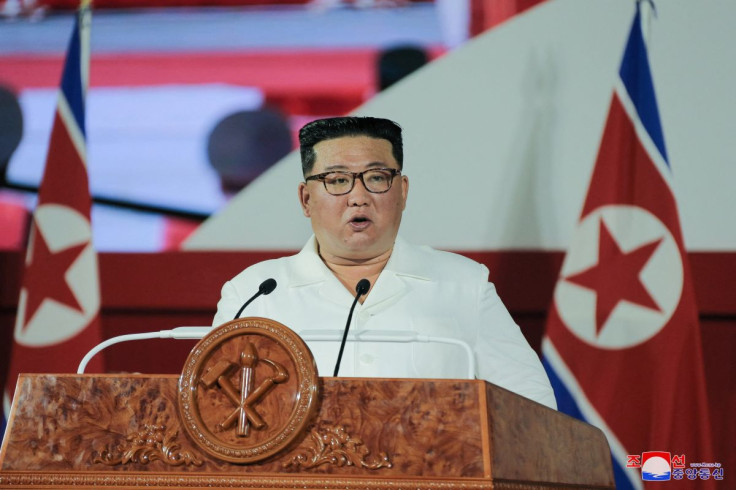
point(360, 289)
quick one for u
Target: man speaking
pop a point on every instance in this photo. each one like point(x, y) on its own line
point(354, 193)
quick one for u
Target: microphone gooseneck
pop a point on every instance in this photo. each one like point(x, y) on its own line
point(266, 287)
point(360, 289)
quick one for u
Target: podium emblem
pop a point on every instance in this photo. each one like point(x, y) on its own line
point(248, 390)
point(245, 398)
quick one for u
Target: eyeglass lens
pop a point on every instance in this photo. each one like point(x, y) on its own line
point(374, 180)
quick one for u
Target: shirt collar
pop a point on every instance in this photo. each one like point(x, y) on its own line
point(404, 261)
point(308, 266)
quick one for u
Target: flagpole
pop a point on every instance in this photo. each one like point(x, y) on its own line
point(648, 11)
point(85, 21)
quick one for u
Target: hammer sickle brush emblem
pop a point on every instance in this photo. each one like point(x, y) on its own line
point(244, 399)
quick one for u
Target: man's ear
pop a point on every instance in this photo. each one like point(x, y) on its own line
point(404, 189)
point(304, 198)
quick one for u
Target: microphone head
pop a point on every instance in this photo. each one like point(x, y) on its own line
point(362, 287)
point(267, 286)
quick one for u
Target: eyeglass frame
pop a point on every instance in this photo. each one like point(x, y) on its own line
point(356, 175)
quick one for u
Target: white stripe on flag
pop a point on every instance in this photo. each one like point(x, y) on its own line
point(75, 132)
point(642, 134)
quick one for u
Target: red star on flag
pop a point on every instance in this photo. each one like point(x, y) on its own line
point(47, 276)
point(615, 277)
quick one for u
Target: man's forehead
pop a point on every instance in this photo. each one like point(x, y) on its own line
point(352, 151)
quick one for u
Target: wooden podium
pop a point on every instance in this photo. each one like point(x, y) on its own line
point(134, 431)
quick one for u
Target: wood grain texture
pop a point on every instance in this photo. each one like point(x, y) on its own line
point(543, 445)
point(65, 422)
point(370, 433)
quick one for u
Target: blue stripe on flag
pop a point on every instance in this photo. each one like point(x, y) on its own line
point(71, 80)
point(565, 402)
point(637, 78)
point(567, 405)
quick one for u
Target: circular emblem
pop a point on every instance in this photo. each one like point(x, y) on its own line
point(248, 390)
point(622, 278)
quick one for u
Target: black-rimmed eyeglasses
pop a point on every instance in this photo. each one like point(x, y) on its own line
point(376, 180)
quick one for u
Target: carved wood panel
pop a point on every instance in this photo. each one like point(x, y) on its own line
point(110, 424)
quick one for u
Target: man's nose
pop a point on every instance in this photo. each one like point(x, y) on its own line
point(358, 195)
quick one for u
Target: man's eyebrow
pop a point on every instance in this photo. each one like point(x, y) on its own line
point(340, 167)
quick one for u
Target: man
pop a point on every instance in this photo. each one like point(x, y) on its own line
point(354, 193)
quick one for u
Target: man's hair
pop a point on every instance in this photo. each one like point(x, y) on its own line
point(337, 127)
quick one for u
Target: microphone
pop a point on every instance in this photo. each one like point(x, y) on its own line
point(266, 287)
point(360, 289)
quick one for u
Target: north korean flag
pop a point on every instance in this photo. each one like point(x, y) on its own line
point(622, 346)
point(59, 305)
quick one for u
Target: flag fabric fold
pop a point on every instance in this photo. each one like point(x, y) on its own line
point(622, 344)
point(58, 309)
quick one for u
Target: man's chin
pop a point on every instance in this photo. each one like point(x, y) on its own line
point(365, 247)
point(357, 247)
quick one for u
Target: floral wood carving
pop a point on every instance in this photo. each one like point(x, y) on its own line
point(152, 443)
point(333, 445)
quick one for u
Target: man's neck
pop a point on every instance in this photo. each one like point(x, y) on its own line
point(350, 271)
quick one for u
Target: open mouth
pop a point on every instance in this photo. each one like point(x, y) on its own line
point(360, 222)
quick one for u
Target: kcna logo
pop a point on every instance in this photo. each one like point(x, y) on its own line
point(655, 465)
point(661, 466)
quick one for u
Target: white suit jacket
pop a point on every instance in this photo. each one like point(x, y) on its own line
point(422, 290)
